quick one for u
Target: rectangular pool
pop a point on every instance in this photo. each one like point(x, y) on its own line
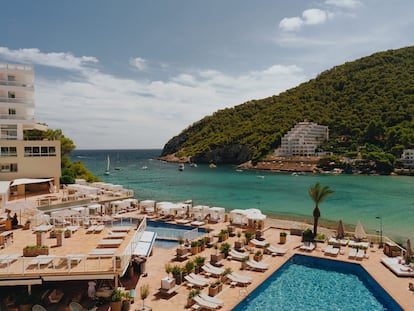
point(310, 283)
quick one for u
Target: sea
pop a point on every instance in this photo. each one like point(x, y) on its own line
point(380, 203)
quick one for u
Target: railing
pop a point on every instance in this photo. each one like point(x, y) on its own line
point(191, 234)
point(16, 67)
point(16, 100)
point(16, 83)
point(16, 117)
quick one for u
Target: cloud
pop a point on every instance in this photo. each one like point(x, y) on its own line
point(346, 4)
point(309, 17)
point(65, 61)
point(101, 110)
point(138, 63)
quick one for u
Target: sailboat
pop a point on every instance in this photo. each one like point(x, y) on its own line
point(107, 166)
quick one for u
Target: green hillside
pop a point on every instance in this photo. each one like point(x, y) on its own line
point(368, 102)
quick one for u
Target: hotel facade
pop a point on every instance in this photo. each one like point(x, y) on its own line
point(303, 139)
point(25, 162)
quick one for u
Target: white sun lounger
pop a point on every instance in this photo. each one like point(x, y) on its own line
point(212, 270)
point(196, 282)
point(352, 253)
point(206, 297)
point(308, 247)
point(111, 243)
point(237, 255)
point(91, 229)
point(234, 278)
point(41, 260)
point(205, 304)
point(242, 276)
point(360, 254)
point(102, 252)
point(276, 250)
point(331, 250)
point(255, 265)
point(257, 243)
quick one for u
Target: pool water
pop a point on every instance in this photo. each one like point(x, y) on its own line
point(308, 283)
point(168, 234)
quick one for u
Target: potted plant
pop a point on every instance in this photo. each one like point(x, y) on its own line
point(282, 237)
point(199, 262)
point(194, 247)
point(214, 288)
point(243, 262)
point(126, 301)
point(225, 249)
point(68, 233)
point(176, 271)
point(248, 235)
point(191, 295)
point(116, 300)
point(225, 273)
point(239, 243)
point(27, 224)
point(35, 250)
point(258, 256)
point(216, 257)
point(144, 293)
point(168, 268)
point(223, 235)
point(189, 267)
point(307, 235)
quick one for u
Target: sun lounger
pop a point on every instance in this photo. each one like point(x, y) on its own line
point(41, 260)
point(212, 270)
point(198, 223)
point(91, 229)
point(308, 247)
point(116, 235)
point(121, 228)
point(255, 265)
point(195, 282)
point(99, 228)
point(198, 278)
point(257, 243)
point(183, 221)
point(102, 252)
point(242, 276)
point(238, 280)
point(338, 242)
point(205, 304)
point(331, 250)
point(352, 253)
point(74, 259)
point(360, 254)
point(276, 250)
point(6, 259)
point(237, 255)
point(111, 243)
point(215, 300)
point(396, 266)
point(72, 229)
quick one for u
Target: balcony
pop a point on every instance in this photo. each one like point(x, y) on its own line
point(16, 84)
point(16, 117)
point(18, 100)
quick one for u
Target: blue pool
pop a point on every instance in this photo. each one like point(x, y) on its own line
point(309, 283)
point(167, 234)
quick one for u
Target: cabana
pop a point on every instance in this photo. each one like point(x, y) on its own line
point(118, 207)
point(147, 206)
point(217, 214)
point(199, 212)
point(132, 204)
point(168, 208)
point(251, 218)
point(94, 209)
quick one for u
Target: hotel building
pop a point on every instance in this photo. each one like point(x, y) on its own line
point(25, 163)
point(303, 139)
point(407, 158)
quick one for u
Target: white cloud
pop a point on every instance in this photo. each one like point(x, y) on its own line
point(99, 110)
point(346, 4)
point(58, 60)
point(138, 63)
point(309, 17)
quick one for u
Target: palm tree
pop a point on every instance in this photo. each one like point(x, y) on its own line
point(318, 194)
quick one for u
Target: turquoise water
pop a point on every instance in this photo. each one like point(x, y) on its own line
point(355, 198)
point(323, 285)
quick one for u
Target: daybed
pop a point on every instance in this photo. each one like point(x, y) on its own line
point(396, 266)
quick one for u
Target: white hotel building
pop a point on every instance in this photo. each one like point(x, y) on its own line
point(34, 160)
point(303, 139)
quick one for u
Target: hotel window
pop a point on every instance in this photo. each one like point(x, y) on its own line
point(8, 167)
point(8, 152)
point(11, 78)
point(11, 95)
point(36, 151)
point(8, 132)
point(12, 111)
point(52, 151)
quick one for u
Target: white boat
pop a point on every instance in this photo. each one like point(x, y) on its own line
point(144, 167)
point(108, 163)
point(181, 167)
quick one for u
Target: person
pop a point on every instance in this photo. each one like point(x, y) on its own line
point(14, 221)
point(411, 287)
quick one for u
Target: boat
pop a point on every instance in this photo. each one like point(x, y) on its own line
point(118, 168)
point(108, 162)
point(144, 167)
point(260, 176)
point(193, 164)
point(181, 167)
point(212, 165)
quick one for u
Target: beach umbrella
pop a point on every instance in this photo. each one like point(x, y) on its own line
point(408, 253)
point(359, 231)
point(340, 232)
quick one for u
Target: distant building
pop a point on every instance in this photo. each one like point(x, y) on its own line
point(407, 158)
point(37, 160)
point(303, 140)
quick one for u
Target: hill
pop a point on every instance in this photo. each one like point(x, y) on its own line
point(367, 103)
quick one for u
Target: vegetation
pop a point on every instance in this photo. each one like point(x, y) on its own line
point(70, 170)
point(367, 105)
point(144, 293)
point(318, 195)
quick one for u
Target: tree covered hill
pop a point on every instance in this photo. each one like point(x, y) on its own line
point(368, 102)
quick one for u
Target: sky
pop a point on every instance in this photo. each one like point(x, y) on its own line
point(131, 74)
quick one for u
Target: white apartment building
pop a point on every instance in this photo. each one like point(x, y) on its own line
point(34, 160)
point(407, 158)
point(303, 139)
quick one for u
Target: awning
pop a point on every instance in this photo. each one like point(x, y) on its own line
point(80, 277)
point(145, 244)
point(23, 281)
point(25, 181)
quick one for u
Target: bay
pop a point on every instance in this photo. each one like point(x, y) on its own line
point(356, 197)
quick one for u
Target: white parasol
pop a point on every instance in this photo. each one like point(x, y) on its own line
point(359, 231)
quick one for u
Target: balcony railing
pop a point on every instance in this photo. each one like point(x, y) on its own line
point(16, 117)
point(4, 66)
point(16, 83)
point(18, 100)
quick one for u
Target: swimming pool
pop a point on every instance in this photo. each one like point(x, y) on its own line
point(310, 283)
point(168, 234)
